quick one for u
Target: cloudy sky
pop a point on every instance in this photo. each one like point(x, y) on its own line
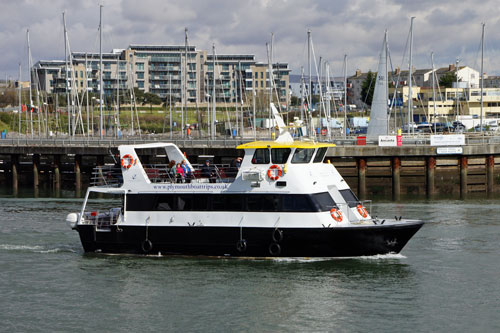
point(449, 28)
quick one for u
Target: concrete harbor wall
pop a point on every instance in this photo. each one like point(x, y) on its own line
point(369, 170)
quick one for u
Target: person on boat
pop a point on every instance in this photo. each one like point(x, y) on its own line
point(179, 173)
point(172, 171)
point(208, 171)
point(235, 166)
point(188, 174)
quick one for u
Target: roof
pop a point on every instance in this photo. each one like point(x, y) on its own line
point(274, 144)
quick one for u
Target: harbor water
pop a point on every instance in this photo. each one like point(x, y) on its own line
point(445, 280)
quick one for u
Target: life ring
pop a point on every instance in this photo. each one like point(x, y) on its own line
point(277, 235)
point(274, 175)
point(336, 214)
point(241, 245)
point(127, 161)
point(146, 246)
point(362, 211)
point(274, 249)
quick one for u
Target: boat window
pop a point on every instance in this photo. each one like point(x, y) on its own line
point(324, 201)
point(280, 155)
point(302, 155)
point(349, 197)
point(320, 155)
point(261, 156)
point(185, 202)
point(165, 202)
point(297, 203)
point(230, 202)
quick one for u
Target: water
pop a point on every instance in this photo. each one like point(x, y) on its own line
point(446, 279)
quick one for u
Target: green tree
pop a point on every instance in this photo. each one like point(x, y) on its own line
point(448, 79)
point(367, 88)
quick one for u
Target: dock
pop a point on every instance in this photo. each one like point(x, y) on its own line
point(414, 168)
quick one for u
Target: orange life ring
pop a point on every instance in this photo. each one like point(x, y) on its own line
point(362, 210)
point(336, 214)
point(277, 174)
point(127, 161)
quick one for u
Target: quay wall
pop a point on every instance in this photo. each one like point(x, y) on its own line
point(369, 170)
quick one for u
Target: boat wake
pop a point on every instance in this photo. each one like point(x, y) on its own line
point(35, 248)
point(384, 256)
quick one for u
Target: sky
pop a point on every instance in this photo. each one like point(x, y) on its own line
point(449, 28)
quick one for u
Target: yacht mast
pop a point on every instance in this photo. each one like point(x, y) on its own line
point(213, 127)
point(345, 96)
point(184, 87)
point(433, 91)
point(410, 96)
point(101, 130)
point(482, 74)
point(20, 98)
point(31, 82)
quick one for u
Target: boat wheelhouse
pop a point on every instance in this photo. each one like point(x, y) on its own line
point(284, 200)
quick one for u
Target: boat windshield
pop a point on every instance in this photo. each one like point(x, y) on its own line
point(320, 155)
point(302, 155)
point(280, 155)
point(349, 197)
point(261, 156)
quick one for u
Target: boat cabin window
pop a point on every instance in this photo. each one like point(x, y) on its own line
point(261, 156)
point(320, 155)
point(302, 155)
point(231, 202)
point(324, 201)
point(349, 197)
point(280, 155)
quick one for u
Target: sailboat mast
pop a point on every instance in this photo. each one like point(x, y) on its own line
point(433, 91)
point(184, 87)
point(87, 93)
point(101, 130)
point(482, 75)
point(170, 102)
point(386, 74)
point(213, 127)
point(20, 98)
point(410, 96)
point(345, 96)
point(31, 82)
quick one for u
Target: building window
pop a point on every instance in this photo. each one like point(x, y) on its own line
point(107, 65)
point(140, 84)
point(139, 66)
point(140, 76)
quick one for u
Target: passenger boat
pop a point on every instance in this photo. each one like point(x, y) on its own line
point(283, 201)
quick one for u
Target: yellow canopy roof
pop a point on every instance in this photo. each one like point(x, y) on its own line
point(273, 144)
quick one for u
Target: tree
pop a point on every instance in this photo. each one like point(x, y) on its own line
point(367, 88)
point(448, 79)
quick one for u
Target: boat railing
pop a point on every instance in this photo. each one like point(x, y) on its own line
point(347, 207)
point(161, 173)
point(107, 176)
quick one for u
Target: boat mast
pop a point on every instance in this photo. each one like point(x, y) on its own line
point(482, 74)
point(170, 102)
point(345, 96)
point(410, 96)
point(184, 87)
point(386, 74)
point(309, 104)
point(433, 90)
point(31, 82)
point(101, 130)
point(214, 119)
point(20, 98)
point(87, 93)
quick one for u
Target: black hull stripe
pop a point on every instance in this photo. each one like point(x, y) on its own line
point(254, 242)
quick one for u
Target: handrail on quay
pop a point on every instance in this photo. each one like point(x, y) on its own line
point(222, 142)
